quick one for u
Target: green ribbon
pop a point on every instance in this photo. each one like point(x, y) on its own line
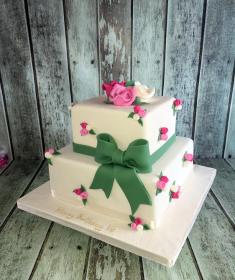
point(90, 151)
point(122, 166)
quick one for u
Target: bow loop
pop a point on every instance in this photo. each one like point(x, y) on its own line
point(105, 148)
point(137, 156)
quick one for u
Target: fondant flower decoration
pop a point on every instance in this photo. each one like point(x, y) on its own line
point(137, 224)
point(122, 96)
point(82, 193)
point(3, 159)
point(86, 129)
point(49, 153)
point(138, 114)
point(188, 159)
point(143, 92)
point(161, 183)
point(107, 87)
point(126, 93)
point(163, 133)
point(174, 192)
point(177, 105)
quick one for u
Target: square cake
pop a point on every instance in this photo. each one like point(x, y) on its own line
point(125, 160)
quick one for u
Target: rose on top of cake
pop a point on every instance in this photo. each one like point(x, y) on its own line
point(127, 93)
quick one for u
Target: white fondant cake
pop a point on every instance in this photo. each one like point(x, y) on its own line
point(107, 118)
point(71, 170)
point(125, 161)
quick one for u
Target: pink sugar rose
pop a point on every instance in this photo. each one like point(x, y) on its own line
point(83, 124)
point(122, 96)
point(175, 195)
point(133, 226)
point(164, 130)
point(78, 191)
point(178, 102)
point(107, 87)
point(50, 151)
point(137, 108)
point(188, 157)
point(84, 195)
point(84, 131)
point(138, 221)
point(164, 179)
point(161, 185)
point(163, 137)
point(142, 113)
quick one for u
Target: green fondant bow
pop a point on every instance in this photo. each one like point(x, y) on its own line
point(122, 166)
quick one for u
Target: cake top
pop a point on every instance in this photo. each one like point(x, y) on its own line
point(100, 103)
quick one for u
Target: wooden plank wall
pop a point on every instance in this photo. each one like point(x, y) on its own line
point(55, 52)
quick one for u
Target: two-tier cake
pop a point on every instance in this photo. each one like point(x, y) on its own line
point(126, 161)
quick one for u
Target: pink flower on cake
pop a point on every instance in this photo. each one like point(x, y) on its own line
point(137, 224)
point(163, 134)
point(138, 114)
point(138, 221)
point(161, 183)
point(107, 87)
point(122, 96)
point(177, 105)
point(133, 226)
point(86, 129)
point(82, 193)
point(174, 191)
point(188, 159)
point(49, 153)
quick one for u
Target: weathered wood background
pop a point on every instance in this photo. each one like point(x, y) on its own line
point(58, 51)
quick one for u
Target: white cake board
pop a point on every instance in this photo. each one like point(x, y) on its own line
point(162, 245)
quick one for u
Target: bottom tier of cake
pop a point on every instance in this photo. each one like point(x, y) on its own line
point(71, 175)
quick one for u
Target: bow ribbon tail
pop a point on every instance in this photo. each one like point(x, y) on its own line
point(104, 178)
point(132, 187)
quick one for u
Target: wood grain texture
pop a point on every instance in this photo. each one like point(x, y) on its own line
point(22, 237)
point(49, 45)
point(64, 255)
point(215, 79)
point(184, 268)
point(224, 185)
point(148, 42)
point(5, 144)
point(107, 262)
point(183, 39)
point(81, 23)
point(230, 137)
point(212, 241)
point(13, 182)
point(231, 162)
point(18, 81)
point(115, 39)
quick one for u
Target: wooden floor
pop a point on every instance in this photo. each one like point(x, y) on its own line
point(34, 248)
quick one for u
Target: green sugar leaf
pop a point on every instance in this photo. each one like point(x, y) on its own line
point(132, 218)
point(146, 227)
point(140, 121)
point(130, 83)
point(131, 115)
point(92, 132)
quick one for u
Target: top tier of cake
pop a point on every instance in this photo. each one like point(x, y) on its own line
point(154, 122)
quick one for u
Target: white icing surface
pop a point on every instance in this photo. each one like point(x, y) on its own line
point(107, 118)
point(70, 170)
